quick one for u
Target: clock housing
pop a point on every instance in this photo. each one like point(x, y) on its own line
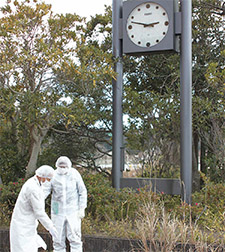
point(149, 26)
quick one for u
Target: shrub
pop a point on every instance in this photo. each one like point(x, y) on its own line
point(105, 203)
point(9, 194)
point(114, 213)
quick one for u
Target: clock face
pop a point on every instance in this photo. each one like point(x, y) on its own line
point(147, 24)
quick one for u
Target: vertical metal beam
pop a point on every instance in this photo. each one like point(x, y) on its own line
point(186, 100)
point(117, 137)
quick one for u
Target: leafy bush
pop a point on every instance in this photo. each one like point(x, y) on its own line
point(105, 203)
point(9, 193)
point(114, 213)
point(8, 197)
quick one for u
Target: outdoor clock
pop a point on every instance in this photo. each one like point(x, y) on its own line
point(148, 26)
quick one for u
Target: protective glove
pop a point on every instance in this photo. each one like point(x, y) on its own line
point(81, 213)
point(54, 233)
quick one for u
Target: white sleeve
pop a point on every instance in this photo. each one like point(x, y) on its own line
point(38, 207)
point(82, 192)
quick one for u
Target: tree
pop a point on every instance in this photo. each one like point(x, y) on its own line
point(36, 46)
point(214, 137)
point(82, 131)
point(208, 42)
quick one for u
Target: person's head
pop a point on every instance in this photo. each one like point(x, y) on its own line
point(63, 164)
point(44, 173)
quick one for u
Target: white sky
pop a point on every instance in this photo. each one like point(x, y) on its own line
point(84, 8)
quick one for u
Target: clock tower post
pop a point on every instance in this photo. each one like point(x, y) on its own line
point(142, 27)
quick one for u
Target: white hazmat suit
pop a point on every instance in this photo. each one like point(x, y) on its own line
point(29, 208)
point(68, 203)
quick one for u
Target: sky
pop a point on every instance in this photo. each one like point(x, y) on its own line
point(84, 8)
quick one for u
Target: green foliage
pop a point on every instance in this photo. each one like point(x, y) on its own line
point(9, 164)
point(210, 201)
point(114, 213)
point(33, 44)
point(105, 203)
point(12, 157)
point(53, 71)
point(13, 140)
point(9, 194)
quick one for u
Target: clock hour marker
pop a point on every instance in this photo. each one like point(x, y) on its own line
point(157, 7)
point(148, 44)
point(166, 23)
point(132, 36)
point(147, 6)
point(164, 13)
point(157, 41)
point(139, 42)
point(139, 9)
point(130, 27)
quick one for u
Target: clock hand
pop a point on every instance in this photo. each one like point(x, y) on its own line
point(137, 23)
point(151, 24)
point(145, 25)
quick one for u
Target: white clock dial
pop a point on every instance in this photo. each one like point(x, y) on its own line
point(147, 24)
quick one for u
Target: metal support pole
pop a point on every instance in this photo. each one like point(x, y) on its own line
point(117, 137)
point(186, 100)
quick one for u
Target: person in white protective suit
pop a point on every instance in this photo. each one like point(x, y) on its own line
point(28, 210)
point(68, 203)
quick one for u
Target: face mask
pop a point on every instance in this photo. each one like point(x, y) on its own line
point(44, 183)
point(62, 171)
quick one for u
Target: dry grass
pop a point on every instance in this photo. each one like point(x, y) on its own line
point(162, 231)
